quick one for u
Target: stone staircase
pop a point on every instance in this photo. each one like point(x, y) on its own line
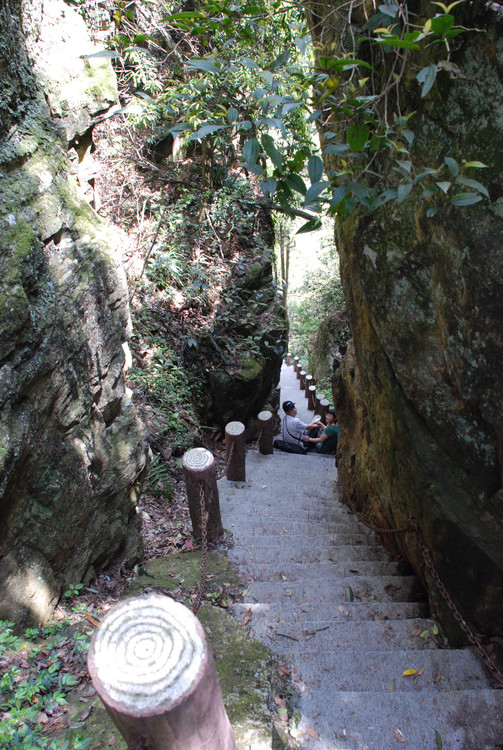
point(326, 595)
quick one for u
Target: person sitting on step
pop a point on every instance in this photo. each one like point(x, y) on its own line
point(294, 430)
point(327, 441)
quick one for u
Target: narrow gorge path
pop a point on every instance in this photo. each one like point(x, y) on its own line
point(325, 594)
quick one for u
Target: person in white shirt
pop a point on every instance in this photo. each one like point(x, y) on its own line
point(296, 431)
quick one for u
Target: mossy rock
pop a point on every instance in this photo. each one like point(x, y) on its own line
point(182, 569)
point(245, 667)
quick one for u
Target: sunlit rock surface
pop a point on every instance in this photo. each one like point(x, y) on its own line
point(420, 396)
point(71, 448)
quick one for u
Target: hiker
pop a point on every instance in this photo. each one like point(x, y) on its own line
point(295, 431)
point(327, 441)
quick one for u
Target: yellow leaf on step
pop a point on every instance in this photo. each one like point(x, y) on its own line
point(409, 672)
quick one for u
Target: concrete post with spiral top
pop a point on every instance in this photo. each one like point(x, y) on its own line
point(235, 451)
point(200, 479)
point(152, 667)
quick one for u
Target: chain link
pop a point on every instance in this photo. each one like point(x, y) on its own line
point(227, 462)
point(204, 547)
point(473, 639)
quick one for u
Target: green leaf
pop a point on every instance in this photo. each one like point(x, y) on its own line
point(310, 226)
point(106, 53)
point(476, 164)
point(315, 168)
point(475, 185)
point(268, 186)
point(250, 151)
point(205, 130)
point(439, 744)
point(338, 195)
point(335, 148)
point(444, 186)
point(395, 41)
point(403, 191)
point(390, 9)
point(232, 114)
point(203, 64)
point(359, 191)
point(441, 25)
point(406, 165)
point(271, 150)
point(427, 76)
point(425, 173)
point(295, 182)
point(408, 135)
point(451, 165)
point(465, 199)
point(357, 137)
point(315, 191)
point(431, 212)
point(349, 595)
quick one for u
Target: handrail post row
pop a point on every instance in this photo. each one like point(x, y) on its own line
point(308, 381)
point(199, 470)
point(235, 451)
point(311, 397)
point(324, 406)
point(152, 667)
point(266, 433)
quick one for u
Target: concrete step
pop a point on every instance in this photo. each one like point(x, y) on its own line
point(319, 637)
point(255, 525)
point(309, 571)
point(369, 670)
point(362, 588)
point(326, 613)
point(424, 720)
point(244, 551)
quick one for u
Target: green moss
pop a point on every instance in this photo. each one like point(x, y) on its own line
point(250, 370)
point(182, 568)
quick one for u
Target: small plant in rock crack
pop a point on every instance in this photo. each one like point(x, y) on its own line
point(73, 590)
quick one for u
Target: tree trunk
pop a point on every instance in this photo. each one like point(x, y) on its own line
point(153, 669)
point(235, 443)
point(266, 426)
point(199, 472)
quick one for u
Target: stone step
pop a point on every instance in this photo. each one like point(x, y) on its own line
point(423, 720)
point(256, 525)
point(369, 670)
point(302, 553)
point(309, 571)
point(363, 588)
point(326, 639)
point(325, 613)
point(281, 536)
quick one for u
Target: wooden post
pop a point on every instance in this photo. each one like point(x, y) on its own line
point(319, 399)
point(324, 405)
point(295, 364)
point(308, 382)
point(289, 359)
point(153, 669)
point(199, 472)
point(311, 397)
point(266, 436)
point(299, 370)
point(302, 380)
point(235, 442)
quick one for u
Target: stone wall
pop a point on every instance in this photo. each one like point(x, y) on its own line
point(420, 393)
point(71, 446)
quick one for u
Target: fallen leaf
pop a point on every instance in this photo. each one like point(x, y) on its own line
point(279, 701)
point(92, 620)
point(288, 592)
point(409, 672)
point(438, 741)
point(42, 718)
point(112, 741)
point(247, 617)
point(421, 671)
point(349, 595)
point(398, 735)
point(313, 733)
point(392, 687)
point(416, 632)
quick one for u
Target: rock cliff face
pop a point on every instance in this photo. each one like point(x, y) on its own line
point(71, 448)
point(420, 393)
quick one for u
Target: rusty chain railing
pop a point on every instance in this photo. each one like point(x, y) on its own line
point(413, 527)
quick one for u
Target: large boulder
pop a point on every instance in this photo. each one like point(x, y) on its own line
point(71, 446)
point(420, 395)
